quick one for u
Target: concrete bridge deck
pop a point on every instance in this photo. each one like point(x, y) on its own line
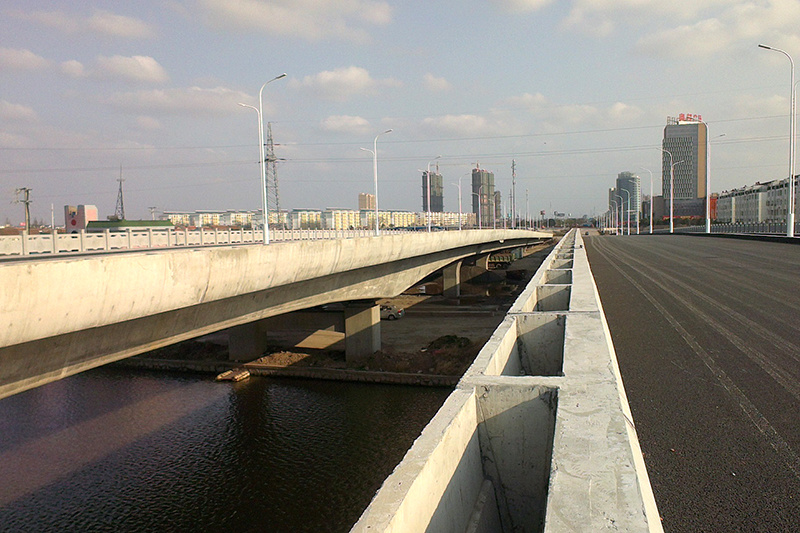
point(707, 332)
point(67, 314)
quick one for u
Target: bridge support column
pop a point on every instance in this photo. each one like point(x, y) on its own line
point(247, 342)
point(362, 329)
point(451, 280)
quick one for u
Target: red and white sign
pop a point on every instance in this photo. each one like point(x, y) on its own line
point(690, 117)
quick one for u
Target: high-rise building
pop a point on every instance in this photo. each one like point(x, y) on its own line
point(366, 201)
point(627, 181)
point(437, 192)
point(482, 195)
point(498, 205)
point(686, 138)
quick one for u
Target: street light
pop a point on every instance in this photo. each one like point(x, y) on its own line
point(620, 217)
point(374, 153)
point(671, 189)
point(614, 216)
point(479, 194)
point(261, 153)
point(428, 180)
point(628, 211)
point(459, 199)
point(790, 209)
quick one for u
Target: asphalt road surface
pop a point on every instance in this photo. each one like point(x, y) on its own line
point(707, 333)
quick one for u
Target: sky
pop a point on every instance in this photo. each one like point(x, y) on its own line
point(574, 91)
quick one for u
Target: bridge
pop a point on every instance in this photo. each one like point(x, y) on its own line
point(65, 314)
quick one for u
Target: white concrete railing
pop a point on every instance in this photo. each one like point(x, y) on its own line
point(106, 241)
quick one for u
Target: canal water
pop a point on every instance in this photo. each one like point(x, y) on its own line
point(117, 449)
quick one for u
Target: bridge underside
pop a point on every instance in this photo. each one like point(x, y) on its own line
point(29, 364)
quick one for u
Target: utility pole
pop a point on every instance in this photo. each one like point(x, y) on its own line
point(119, 211)
point(26, 199)
point(514, 193)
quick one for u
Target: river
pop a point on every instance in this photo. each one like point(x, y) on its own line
point(116, 449)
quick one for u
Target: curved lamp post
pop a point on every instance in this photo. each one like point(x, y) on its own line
point(261, 152)
point(790, 208)
point(374, 153)
point(671, 189)
point(628, 211)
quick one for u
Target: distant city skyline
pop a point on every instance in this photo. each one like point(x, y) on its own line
point(573, 91)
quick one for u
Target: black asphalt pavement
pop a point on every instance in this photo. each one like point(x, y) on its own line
point(707, 333)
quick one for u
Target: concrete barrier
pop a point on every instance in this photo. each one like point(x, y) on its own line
point(538, 435)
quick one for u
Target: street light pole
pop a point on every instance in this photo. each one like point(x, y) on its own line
point(792, 134)
point(671, 189)
point(459, 200)
point(614, 216)
point(374, 153)
point(479, 194)
point(628, 211)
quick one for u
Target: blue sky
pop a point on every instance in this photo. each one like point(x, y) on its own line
point(575, 91)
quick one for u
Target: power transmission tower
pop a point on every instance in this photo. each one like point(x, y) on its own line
point(26, 199)
point(119, 212)
point(273, 198)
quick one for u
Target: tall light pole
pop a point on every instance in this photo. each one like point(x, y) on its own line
point(260, 111)
point(614, 216)
point(374, 153)
point(620, 217)
point(671, 189)
point(790, 209)
point(428, 180)
point(479, 194)
point(651, 198)
point(527, 212)
point(459, 199)
point(628, 211)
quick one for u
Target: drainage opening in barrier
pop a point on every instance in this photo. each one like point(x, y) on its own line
point(515, 430)
point(561, 263)
point(558, 277)
point(540, 344)
point(552, 297)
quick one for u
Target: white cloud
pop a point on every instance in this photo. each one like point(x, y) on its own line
point(432, 83)
point(21, 59)
point(183, 101)
point(342, 83)
point(346, 124)
point(312, 20)
point(521, 6)
point(139, 69)
point(16, 112)
point(12, 140)
point(99, 23)
point(73, 68)
point(103, 22)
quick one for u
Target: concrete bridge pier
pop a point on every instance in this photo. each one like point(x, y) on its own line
point(362, 329)
point(359, 320)
point(451, 280)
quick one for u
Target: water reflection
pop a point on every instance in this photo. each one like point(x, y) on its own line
point(116, 450)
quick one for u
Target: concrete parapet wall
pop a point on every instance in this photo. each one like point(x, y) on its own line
point(543, 408)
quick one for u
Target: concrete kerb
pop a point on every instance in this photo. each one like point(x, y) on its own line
point(562, 421)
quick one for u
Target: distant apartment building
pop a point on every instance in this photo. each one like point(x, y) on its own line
point(482, 195)
point(341, 219)
point(686, 139)
point(762, 202)
point(305, 219)
point(366, 201)
point(436, 191)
